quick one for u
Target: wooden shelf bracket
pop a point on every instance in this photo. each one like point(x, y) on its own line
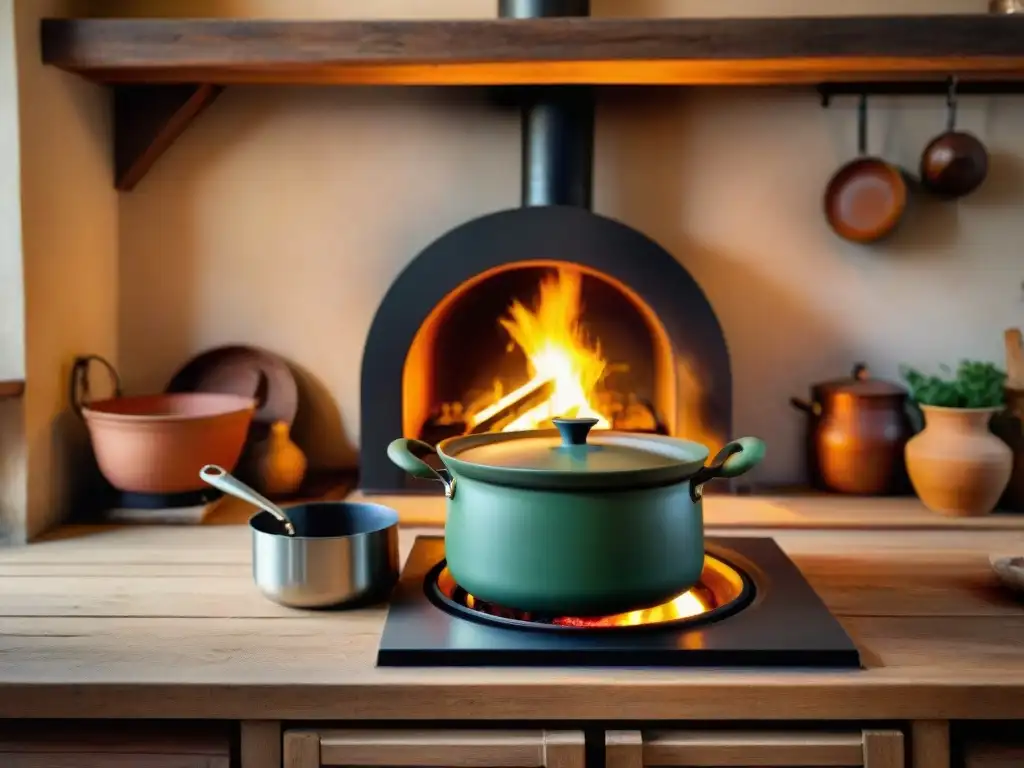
point(147, 120)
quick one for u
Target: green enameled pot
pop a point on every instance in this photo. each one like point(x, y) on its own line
point(553, 522)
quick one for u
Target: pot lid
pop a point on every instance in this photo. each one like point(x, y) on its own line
point(574, 456)
point(860, 384)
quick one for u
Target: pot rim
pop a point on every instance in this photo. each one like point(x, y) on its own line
point(233, 404)
point(389, 519)
point(952, 409)
point(552, 479)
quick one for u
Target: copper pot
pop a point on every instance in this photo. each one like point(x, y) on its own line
point(857, 429)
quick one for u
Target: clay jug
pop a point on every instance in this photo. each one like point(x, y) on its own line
point(956, 464)
point(279, 463)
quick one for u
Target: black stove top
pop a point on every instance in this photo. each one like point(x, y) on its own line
point(753, 609)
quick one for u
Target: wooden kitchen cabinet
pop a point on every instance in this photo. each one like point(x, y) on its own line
point(433, 749)
point(990, 745)
point(125, 744)
point(750, 748)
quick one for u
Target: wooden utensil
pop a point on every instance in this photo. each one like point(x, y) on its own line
point(866, 198)
point(1014, 358)
point(954, 163)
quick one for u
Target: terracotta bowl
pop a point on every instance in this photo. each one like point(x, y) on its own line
point(158, 443)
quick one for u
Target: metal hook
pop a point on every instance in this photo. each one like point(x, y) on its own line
point(862, 125)
point(951, 104)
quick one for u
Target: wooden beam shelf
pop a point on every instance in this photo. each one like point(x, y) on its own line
point(11, 388)
point(166, 71)
point(741, 51)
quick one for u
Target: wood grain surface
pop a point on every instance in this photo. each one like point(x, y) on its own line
point(555, 50)
point(165, 622)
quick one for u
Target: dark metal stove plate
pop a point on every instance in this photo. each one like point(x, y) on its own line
point(786, 625)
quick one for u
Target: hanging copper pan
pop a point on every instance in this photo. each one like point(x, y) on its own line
point(866, 198)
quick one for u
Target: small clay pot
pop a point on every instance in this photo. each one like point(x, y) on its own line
point(280, 464)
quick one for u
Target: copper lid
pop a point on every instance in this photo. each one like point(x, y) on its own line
point(858, 384)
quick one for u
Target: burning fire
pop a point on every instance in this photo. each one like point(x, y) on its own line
point(685, 606)
point(564, 366)
point(692, 603)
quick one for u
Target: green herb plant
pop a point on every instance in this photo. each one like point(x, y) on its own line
point(973, 385)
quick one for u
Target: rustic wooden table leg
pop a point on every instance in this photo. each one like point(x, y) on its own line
point(302, 749)
point(883, 749)
point(261, 744)
point(929, 744)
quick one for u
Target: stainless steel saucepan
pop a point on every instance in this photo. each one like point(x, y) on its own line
point(317, 555)
point(342, 553)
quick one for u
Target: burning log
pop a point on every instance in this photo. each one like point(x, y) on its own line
point(639, 415)
point(511, 407)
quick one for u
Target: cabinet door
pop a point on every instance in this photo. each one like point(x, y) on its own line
point(991, 745)
point(750, 749)
point(112, 745)
point(433, 749)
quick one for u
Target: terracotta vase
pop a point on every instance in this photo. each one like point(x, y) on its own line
point(280, 464)
point(956, 464)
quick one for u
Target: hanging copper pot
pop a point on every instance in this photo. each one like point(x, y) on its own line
point(857, 428)
point(954, 163)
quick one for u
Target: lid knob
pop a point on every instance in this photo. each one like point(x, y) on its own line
point(574, 431)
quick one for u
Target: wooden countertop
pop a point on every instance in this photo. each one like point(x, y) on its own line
point(165, 622)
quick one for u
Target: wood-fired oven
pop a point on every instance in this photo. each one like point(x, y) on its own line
point(544, 310)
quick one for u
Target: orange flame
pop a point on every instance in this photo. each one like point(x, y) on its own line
point(558, 351)
point(684, 606)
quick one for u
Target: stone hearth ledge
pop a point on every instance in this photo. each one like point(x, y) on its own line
point(160, 622)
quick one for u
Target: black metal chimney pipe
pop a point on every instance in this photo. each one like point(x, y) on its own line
point(558, 124)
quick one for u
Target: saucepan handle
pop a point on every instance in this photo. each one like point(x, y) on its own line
point(735, 458)
point(407, 455)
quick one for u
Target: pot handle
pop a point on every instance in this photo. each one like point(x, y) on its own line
point(733, 460)
point(78, 388)
point(802, 405)
point(406, 454)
